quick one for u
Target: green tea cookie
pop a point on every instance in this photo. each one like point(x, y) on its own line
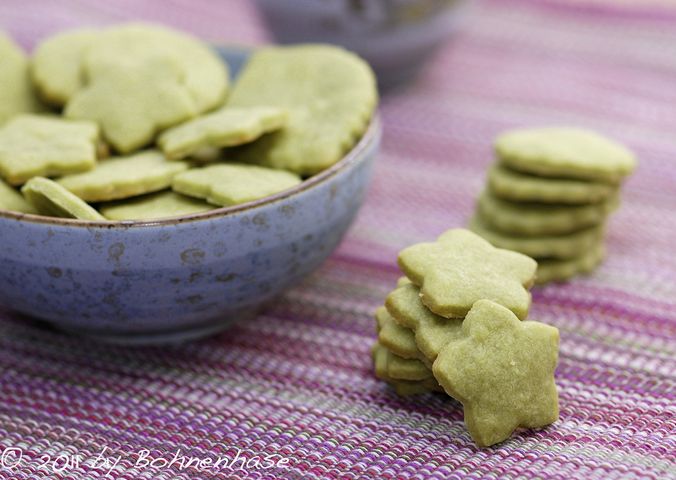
point(225, 128)
point(56, 66)
point(50, 198)
point(153, 206)
point(431, 332)
point(554, 270)
point(123, 177)
point(141, 79)
point(329, 93)
point(461, 268)
point(565, 152)
point(16, 91)
point(402, 387)
point(556, 246)
point(399, 368)
point(405, 388)
point(13, 201)
point(502, 371)
point(530, 219)
point(133, 105)
point(394, 337)
point(34, 145)
point(232, 184)
point(522, 187)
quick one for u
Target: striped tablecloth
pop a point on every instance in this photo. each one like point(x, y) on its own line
point(297, 384)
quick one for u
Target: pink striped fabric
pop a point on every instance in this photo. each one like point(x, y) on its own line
point(296, 383)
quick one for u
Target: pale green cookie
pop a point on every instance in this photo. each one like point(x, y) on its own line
point(330, 95)
point(553, 270)
point(461, 268)
point(522, 187)
point(155, 205)
point(379, 355)
point(56, 66)
point(561, 246)
point(141, 79)
point(399, 368)
point(123, 177)
point(394, 337)
point(431, 332)
point(225, 128)
point(531, 219)
point(502, 371)
point(132, 105)
point(232, 184)
point(565, 152)
point(34, 145)
point(16, 91)
point(13, 201)
point(51, 199)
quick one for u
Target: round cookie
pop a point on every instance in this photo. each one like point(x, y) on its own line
point(16, 92)
point(556, 246)
point(553, 270)
point(565, 152)
point(529, 219)
point(522, 187)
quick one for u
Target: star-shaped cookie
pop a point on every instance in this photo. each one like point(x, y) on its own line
point(431, 332)
point(502, 371)
point(461, 268)
point(37, 145)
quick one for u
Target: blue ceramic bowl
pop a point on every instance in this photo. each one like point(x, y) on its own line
point(396, 37)
point(183, 277)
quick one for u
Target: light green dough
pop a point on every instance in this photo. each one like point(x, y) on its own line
point(380, 357)
point(12, 200)
point(461, 268)
point(561, 246)
point(431, 332)
point(330, 95)
point(502, 371)
point(34, 145)
point(153, 206)
point(225, 128)
point(132, 105)
point(232, 184)
point(532, 219)
point(399, 340)
point(553, 270)
point(522, 187)
point(565, 152)
point(16, 91)
point(142, 79)
point(51, 199)
point(124, 177)
point(56, 66)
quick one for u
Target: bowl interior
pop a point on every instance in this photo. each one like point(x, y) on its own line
point(236, 57)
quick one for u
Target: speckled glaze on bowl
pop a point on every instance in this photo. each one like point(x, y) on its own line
point(173, 279)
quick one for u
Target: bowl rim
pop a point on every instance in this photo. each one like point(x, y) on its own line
point(352, 157)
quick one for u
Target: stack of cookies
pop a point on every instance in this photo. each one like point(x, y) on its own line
point(548, 196)
point(454, 324)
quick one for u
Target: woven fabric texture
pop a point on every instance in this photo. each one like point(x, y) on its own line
point(297, 382)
